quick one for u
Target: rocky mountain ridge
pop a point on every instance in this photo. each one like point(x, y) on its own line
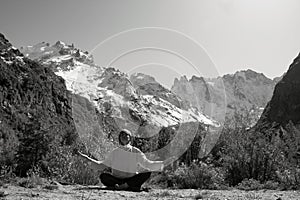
point(244, 90)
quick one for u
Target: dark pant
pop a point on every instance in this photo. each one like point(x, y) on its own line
point(134, 182)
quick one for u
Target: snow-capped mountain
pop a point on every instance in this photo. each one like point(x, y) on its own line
point(131, 106)
point(245, 90)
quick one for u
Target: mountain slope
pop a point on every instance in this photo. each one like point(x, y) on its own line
point(35, 109)
point(285, 103)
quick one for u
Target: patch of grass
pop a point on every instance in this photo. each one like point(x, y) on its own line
point(271, 185)
point(6, 175)
point(195, 176)
point(25, 182)
point(252, 196)
point(250, 184)
point(165, 194)
point(71, 169)
point(32, 181)
point(168, 194)
point(50, 187)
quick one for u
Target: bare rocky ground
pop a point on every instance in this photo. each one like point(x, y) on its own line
point(70, 192)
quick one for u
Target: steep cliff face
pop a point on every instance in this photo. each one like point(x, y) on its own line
point(285, 103)
point(33, 101)
point(214, 96)
point(197, 93)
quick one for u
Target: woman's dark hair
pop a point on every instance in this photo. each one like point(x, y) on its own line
point(124, 132)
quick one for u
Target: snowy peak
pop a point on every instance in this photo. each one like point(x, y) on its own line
point(59, 54)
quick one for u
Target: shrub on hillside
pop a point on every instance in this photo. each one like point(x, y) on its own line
point(271, 185)
point(8, 146)
point(262, 155)
point(194, 176)
point(289, 179)
point(34, 145)
point(250, 184)
point(66, 167)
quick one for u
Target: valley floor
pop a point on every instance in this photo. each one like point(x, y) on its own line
point(10, 192)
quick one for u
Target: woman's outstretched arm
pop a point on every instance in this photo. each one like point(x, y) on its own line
point(95, 164)
point(152, 165)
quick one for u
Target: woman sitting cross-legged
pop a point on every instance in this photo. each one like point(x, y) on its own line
point(124, 161)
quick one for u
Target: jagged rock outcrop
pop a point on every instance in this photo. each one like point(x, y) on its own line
point(59, 57)
point(34, 102)
point(285, 103)
point(147, 85)
point(244, 90)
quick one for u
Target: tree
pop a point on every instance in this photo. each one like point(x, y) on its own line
point(34, 145)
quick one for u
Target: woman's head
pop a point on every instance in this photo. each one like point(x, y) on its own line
point(124, 137)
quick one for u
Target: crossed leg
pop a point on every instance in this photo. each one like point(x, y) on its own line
point(134, 183)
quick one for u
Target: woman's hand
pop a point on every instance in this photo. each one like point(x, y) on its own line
point(82, 154)
point(169, 160)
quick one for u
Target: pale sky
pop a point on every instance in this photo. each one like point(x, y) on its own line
point(263, 35)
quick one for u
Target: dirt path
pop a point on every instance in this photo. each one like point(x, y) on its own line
point(10, 192)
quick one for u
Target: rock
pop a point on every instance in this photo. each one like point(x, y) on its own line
point(2, 194)
point(199, 196)
point(35, 194)
point(51, 187)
